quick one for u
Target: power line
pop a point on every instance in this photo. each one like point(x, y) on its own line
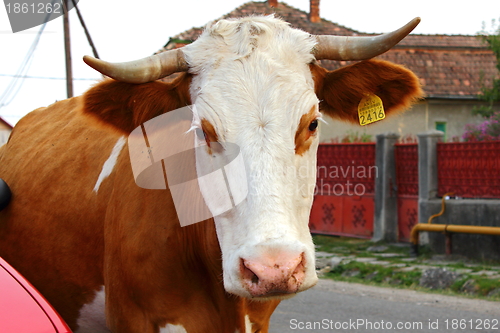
point(18, 79)
point(46, 78)
point(87, 33)
point(15, 85)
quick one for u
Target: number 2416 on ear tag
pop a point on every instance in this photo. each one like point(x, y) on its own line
point(370, 110)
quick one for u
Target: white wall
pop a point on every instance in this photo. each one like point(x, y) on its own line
point(421, 118)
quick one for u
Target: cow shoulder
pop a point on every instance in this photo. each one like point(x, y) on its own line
point(124, 106)
point(341, 90)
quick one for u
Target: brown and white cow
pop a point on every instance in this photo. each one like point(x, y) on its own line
point(77, 221)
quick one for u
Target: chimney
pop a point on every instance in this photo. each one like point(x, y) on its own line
point(314, 11)
point(273, 3)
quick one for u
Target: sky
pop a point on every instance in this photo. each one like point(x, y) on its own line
point(129, 30)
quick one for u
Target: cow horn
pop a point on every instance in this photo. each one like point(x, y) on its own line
point(360, 47)
point(143, 70)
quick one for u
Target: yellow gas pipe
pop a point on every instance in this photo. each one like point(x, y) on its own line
point(447, 229)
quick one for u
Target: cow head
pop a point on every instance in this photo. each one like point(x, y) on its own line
point(256, 82)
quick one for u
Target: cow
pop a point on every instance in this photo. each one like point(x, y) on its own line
point(79, 227)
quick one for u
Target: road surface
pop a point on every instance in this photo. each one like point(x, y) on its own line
point(333, 306)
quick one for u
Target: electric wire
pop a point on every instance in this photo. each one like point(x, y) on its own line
point(17, 81)
point(87, 33)
point(46, 77)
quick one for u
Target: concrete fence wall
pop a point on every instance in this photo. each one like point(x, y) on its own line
point(478, 212)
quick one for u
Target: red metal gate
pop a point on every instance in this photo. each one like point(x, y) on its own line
point(406, 156)
point(469, 169)
point(344, 201)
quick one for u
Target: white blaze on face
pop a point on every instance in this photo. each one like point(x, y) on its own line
point(254, 91)
point(221, 172)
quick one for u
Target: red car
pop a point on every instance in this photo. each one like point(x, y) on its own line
point(22, 308)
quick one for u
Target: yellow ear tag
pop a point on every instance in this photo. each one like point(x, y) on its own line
point(370, 110)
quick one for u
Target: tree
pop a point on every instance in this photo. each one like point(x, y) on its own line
point(490, 95)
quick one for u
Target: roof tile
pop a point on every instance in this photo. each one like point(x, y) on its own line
point(449, 66)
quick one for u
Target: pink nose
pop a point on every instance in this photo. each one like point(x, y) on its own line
point(275, 275)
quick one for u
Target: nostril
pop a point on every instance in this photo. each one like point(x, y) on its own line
point(299, 271)
point(300, 267)
point(255, 278)
point(248, 274)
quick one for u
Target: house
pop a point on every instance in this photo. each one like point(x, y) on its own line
point(452, 70)
point(5, 129)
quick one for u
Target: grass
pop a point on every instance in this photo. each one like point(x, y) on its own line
point(485, 286)
point(353, 246)
point(363, 272)
point(382, 275)
point(480, 285)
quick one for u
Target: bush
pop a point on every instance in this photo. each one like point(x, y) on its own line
point(488, 130)
point(355, 137)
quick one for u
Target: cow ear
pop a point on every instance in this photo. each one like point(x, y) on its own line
point(124, 106)
point(341, 90)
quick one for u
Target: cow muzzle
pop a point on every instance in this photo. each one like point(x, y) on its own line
point(277, 275)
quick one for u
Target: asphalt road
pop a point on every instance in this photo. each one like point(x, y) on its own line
point(345, 307)
point(348, 307)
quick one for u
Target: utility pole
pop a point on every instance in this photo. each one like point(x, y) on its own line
point(67, 49)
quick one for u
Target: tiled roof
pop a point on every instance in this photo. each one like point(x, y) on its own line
point(449, 66)
point(6, 124)
point(296, 17)
point(448, 72)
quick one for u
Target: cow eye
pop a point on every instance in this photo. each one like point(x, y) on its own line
point(202, 136)
point(313, 125)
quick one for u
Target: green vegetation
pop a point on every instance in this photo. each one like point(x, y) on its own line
point(363, 260)
point(355, 137)
point(485, 286)
point(375, 274)
point(490, 94)
point(490, 129)
point(355, 246)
